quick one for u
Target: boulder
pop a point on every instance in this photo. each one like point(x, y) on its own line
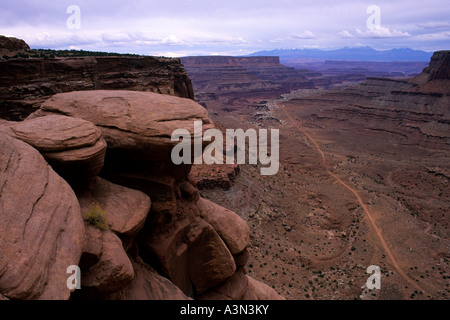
point(138, 123)
point(42, 232)
point(210, 262)
point(148, 285)
point(73, 147)
point(257, 290)
point(233, 288)
point(137, 127)
point(112, 271)
point(163, 244)
point(241, 258)
point(190, 254)
point(231, 228)
point(126, 209)
point(92, 248)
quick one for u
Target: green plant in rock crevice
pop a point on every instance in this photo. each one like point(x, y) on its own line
point(96, 216)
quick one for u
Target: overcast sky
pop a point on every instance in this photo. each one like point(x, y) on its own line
point(235, 27)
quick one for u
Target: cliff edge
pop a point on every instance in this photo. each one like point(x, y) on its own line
point(28, 79)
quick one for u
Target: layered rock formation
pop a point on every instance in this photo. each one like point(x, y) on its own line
point(162, 240)
point(414, 110)
point(74, 147)
point(36, 79)
point(231, 80)
point(439, 67)
point(341, 73)
point(225, 84)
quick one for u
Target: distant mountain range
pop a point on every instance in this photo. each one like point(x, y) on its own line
point(349, 54)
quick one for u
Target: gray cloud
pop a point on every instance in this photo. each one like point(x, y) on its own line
point(209, 26)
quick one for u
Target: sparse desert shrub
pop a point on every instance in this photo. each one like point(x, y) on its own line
point(97, 217)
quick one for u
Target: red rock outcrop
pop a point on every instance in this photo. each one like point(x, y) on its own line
point(42, 231)
point(112, 270)
point(127, 209)
point(147, 284)
point(73, 147)
point(37, 79)
point(439, 67)
point(138, 123)
point(161, 240)
point(11, 46)
point(200, 247)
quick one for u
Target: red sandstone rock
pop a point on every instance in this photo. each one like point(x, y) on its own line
point(42, 231)
point(36, 79)
point(126, 209)
point(258, 290)
point(74, 147)
point(232, 289)
point(92, 248)
point(210, 262)
point(232, 229)
point(113, 269)
point(10, 46)
point(148, 285)
point(140, 123)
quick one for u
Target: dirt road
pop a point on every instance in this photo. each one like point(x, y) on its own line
point(375, 228)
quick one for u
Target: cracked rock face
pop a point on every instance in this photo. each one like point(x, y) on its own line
point(42, 231)
point(231, 228)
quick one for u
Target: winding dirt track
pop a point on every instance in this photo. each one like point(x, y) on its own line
point(361, 203)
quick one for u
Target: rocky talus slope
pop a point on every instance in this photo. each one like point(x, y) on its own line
point(112, 148)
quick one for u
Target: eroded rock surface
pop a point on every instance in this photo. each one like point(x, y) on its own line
point(155, 215)
point(74, 147)
point(112, 271)
point(126, 209)
point(140, 123)
point(42, 231)
point(36, 79)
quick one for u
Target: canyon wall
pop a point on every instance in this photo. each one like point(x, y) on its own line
point(26, 83)
point(415, 109)
point(233, 81)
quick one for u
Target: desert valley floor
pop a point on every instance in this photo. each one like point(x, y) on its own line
point(348, 195)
